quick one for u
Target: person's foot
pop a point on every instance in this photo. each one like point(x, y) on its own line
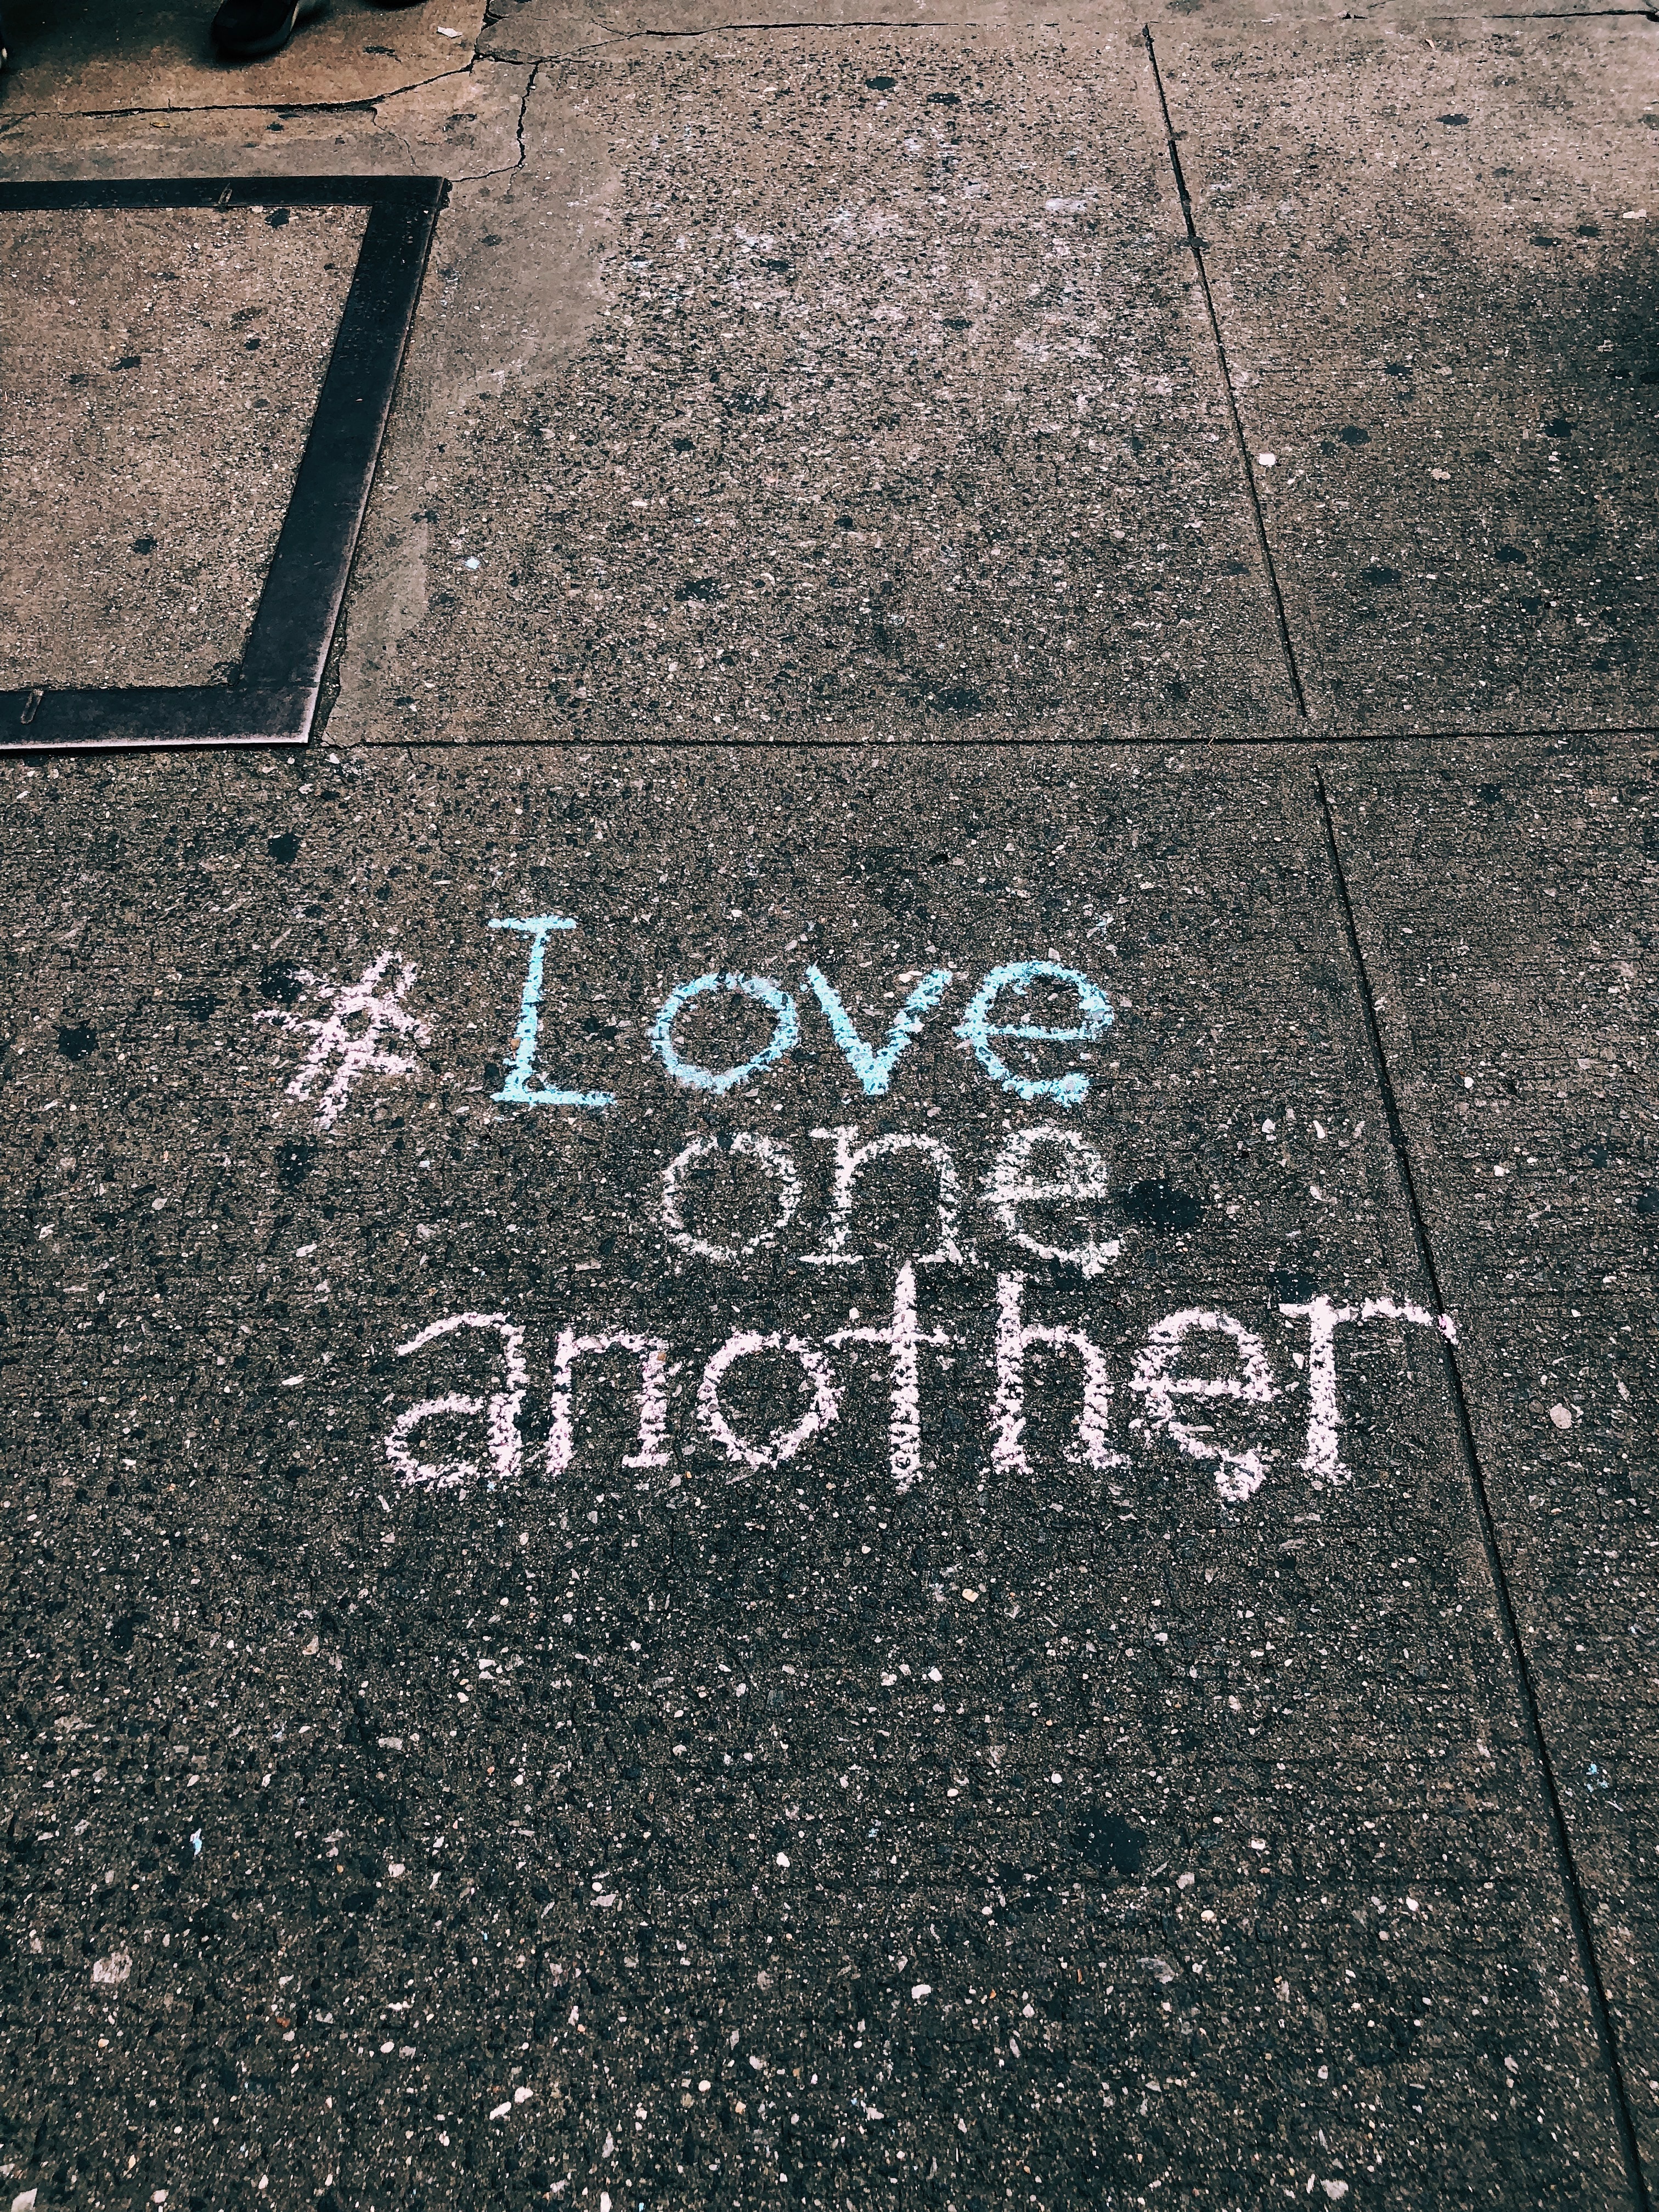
point(247, 30)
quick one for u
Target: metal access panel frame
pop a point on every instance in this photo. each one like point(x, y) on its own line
point(271, 696)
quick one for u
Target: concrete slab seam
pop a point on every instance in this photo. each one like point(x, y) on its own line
point(1195, 248)
point(1232, 741)
point(1532, 1726)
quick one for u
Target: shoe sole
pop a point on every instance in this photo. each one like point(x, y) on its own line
point(261, 49)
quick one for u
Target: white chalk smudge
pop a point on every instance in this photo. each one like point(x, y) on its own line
point(850, 1158)
point(1322, 1459)
point(775, 1159)
point(652, 1352)
point(904, 1339)
point(1173, 1403)
point(1404, 1309)
point(1011, 1184)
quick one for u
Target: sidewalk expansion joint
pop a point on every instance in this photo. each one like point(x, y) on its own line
point(1531, 1724)
point(1241, 741)
point(1194, 246)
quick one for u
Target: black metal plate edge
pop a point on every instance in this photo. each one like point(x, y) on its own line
point(305, 585)
point(21, 198)
point(146, 716)
point(383, 290)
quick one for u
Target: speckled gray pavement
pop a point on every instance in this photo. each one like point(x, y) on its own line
point(830, 1382)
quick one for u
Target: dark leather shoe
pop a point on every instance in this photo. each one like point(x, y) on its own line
point(248, 30)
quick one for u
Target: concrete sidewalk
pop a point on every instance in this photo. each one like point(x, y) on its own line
point(973, 906)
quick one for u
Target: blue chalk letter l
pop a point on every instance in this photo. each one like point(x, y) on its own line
point(520, 1090)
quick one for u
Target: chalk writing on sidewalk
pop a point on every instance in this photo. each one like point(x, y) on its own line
point(347, 1040)
point(1191, 1366)
point(1007, 987)
point(1200, 1382)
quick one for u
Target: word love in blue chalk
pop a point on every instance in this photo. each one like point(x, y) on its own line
point(873, 1065)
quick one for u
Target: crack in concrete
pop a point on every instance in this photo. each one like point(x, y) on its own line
point(713, 30)
point(391, 132)
point(511, 169)
point(537, 61)
point(239, 107)
point(1315, 737)
point(371, 107)
point(1195, 247)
